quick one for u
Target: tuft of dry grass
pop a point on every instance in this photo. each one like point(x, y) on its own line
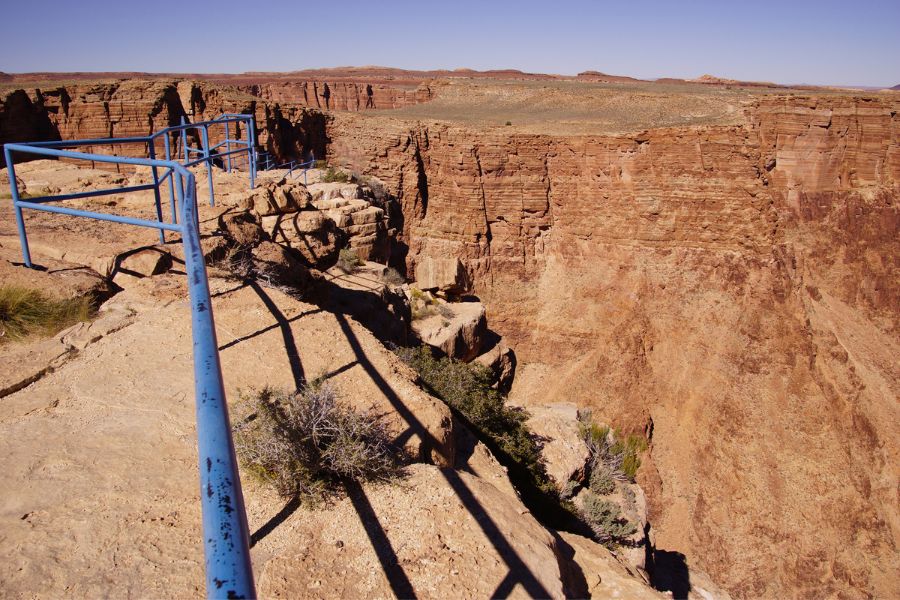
point(25, 312)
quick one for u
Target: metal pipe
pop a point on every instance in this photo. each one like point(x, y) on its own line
point(226, 536)
point(184, 139)
point(74, 212)
point(14, 193)
point(171, 179)
point(204, 139)
point(251, 151)
point(152, 152)
point(227, 146)
point(92, 193)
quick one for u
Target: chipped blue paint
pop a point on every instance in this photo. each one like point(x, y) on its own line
point(229, 573)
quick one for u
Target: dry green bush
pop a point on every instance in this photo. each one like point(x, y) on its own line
point(332, 175)
point(393, 277)
point(25, 312)
point(617, 458)
point(306, 443)
point(605, 518)
point(349, 261)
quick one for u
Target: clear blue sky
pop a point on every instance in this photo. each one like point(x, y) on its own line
point(838, 42)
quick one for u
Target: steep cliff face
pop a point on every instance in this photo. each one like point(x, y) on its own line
point(140, 107)
point(731, 290)
point(340, 95)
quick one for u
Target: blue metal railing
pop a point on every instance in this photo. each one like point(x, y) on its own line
point(225, 533)
point(267, 162)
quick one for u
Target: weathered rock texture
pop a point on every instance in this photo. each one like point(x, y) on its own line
point(732, 290)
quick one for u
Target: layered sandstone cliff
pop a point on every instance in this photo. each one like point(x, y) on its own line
point(731, 291)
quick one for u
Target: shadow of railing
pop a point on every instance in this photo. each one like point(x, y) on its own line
point(518, 572)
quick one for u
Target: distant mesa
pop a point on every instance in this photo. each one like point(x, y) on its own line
point(5, 76)
point(597, 76)
point(896, 87)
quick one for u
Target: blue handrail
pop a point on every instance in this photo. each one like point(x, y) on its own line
point(226, 537)
point(268, 164)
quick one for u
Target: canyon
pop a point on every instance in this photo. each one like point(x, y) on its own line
point(712, 266)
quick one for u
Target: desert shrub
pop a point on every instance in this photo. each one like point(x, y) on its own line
point(393, 277)
point(349, 261)
point(618, 458)
point(305, 443)
point(467, 389)
point(319, 164)
point(603, 479)
point(605, 518)
point(25, 311)
point(508, 123)
point(568, 490)
point(332, 175)
point(422, 305)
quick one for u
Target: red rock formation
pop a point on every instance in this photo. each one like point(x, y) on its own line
point(732, 290)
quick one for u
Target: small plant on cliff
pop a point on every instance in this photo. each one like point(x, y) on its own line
point(612, 458)
point(422, 305)
point(25, 312)
point(319, 164)
point(393, 277)
point(467, 389)
point(305, 443)
point(349, 261)
point(606, 519)
point(332, 175)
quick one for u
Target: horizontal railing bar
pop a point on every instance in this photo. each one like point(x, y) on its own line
point(63, 210)
point(88, 142)
point(121, 160)
point(89, 194)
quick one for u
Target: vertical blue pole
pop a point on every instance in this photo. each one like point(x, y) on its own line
point(14, 192)
point(151, 149)
point(228, 146)
point(251, 150)
point(171, 179)
point(204, 137)
point(184, 139)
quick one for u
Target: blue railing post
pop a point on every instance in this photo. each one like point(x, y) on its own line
point(251, 150)
point(171, 177)
point(151, 151)
point(204, 139)
point(14, 193)
point(184, 147)
point(228, 145)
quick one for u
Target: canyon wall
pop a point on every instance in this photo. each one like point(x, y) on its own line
point(731, 291)
point(340, 95)
point(140, 107)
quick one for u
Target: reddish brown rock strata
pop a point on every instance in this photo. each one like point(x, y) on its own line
point(733, 289)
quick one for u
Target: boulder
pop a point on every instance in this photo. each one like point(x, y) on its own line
point(310, 232)
point(277, 198)
point(279, 265)
point(592, 571)
point(146, 262)
point(501, 362)
point(243, 228)
point(458, 329)
point(444, 274)
point(563, 449)
point(329, 191)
